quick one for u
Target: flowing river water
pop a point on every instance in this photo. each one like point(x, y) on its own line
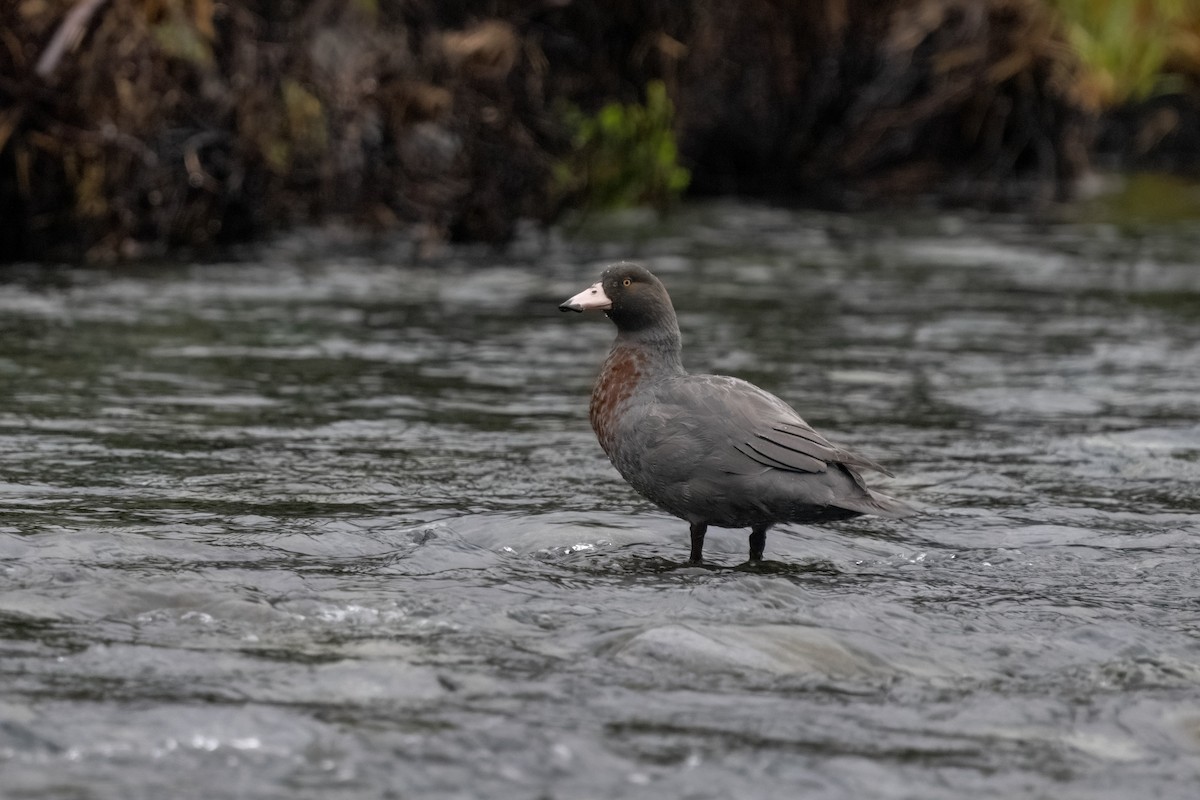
point(330, 523)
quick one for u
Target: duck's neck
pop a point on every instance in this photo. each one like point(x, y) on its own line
point(637, 358)
point(658, 349)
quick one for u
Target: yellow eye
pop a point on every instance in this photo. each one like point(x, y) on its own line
point(627, 281)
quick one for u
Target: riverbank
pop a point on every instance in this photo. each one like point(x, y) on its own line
point(136, 128)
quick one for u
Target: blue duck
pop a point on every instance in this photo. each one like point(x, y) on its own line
point(710, 449)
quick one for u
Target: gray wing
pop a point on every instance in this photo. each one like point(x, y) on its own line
point(760, 430)
point(797, 447)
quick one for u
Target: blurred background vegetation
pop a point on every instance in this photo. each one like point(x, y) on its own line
point(133, 128)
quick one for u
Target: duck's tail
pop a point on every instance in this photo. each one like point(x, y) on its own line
point(873, 502)
point(883, 505)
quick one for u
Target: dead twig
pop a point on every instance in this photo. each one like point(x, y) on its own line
point(67, 37)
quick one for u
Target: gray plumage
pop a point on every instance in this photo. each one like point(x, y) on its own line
point(710, 449)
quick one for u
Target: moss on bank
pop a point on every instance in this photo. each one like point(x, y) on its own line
point(133, 127)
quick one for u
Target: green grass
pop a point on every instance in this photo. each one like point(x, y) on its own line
point(624, 155)
point(1124, 44)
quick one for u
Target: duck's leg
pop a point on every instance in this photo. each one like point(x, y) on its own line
point(698, 530)
point(758, 540)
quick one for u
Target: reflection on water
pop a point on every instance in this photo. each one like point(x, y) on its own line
point(322, 525)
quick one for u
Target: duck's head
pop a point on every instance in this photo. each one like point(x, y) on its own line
point(632, 297)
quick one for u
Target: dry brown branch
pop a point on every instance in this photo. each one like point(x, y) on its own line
point(68, 36)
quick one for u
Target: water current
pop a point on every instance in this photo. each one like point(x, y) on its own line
point(329, 522)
